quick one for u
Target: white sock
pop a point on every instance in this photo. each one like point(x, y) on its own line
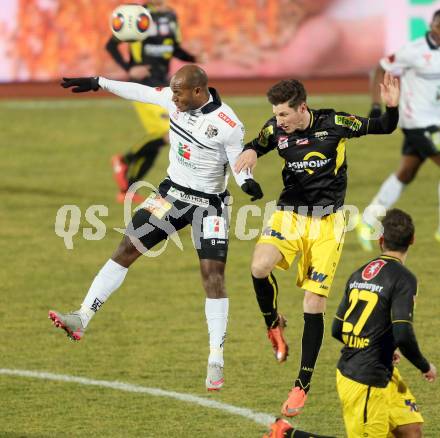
point(108, 279)
point(387, 196)
point(216, 311)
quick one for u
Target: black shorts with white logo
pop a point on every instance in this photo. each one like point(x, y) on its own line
point(172, 208)
point(422, 142)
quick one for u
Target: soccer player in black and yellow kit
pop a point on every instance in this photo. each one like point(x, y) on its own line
point(148, 64)
point(309, 219)
point(374, 318)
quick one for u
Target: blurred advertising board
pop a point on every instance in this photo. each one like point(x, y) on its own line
point(44, 40)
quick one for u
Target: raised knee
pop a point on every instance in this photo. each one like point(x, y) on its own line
point(314, 303)
point(261, 268)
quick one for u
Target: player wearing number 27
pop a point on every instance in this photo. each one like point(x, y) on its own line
point(374, 318)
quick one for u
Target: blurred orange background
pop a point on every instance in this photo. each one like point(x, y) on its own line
point(47, 39)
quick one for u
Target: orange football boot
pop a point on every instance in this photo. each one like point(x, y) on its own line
point(278, 429)
point(295, 402)
point(279, 344)
point(120, 172)
point(135, 198)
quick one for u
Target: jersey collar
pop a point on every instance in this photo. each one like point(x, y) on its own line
point(391, 258)
point(431, 43)
point(311, 121)
point(214, 102)
point(312, 118)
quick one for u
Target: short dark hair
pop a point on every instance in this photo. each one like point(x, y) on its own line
point(436, 14)
point(290, 90)
point(398, 230)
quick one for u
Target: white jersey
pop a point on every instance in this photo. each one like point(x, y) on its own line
point(203, 142)
point(418, 65)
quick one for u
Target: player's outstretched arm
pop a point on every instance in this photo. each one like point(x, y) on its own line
point(81, 85)
point(242, 173)
point(252, 188)
point(126, 90)
point(246, 161)
point(261, 145)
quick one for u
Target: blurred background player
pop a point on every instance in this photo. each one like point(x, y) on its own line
point(148, 64)
point(418, 64)
point(375, 316)
point(309, 220)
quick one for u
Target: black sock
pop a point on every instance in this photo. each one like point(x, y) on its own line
point(266, 290)
point(300, 434)
point(140, 162)
point(311, 344)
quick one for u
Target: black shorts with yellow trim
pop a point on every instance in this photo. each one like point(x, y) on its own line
point(318, 240)
point(173, 207)
point(374, 412)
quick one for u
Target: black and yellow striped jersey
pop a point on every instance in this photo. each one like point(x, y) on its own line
point(156, 50)
point(380, 293)
point(315, 165)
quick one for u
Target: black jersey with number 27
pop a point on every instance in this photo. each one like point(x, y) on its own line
point(380, 293)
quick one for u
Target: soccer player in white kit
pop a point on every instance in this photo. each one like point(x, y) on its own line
point(418, 65)
point(205, 137)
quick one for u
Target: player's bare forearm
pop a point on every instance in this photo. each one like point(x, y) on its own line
point(247, 160)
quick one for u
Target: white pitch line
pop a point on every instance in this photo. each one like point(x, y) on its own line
point(257, 417)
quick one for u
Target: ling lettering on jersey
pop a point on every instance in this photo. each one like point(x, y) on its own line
point(367, 312)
